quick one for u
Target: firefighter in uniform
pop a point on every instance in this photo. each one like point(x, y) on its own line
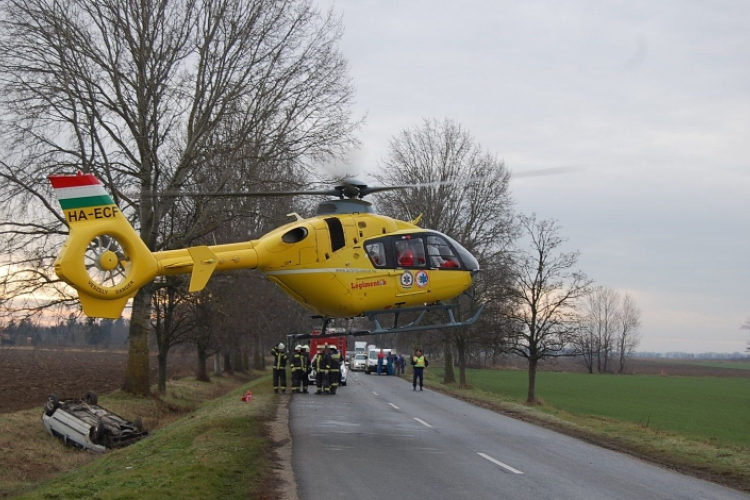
point(280, 358)
point(308, 368)
point(298, 368)
point(334, 374)
point(314, 366)
point(322, 367)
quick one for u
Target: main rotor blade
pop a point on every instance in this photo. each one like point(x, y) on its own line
point(250, 194)
point(543, 172)
point(528, 173)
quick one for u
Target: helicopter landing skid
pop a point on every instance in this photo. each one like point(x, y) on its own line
point(414, 325)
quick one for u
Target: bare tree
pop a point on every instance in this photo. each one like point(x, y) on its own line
point(601, 325)
point(545, 294)
point(171, 321)
point(465, 196)
point(155, 96)
point(629, 335)
point(610, 326)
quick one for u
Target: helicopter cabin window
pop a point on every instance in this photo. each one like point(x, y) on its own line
point(440, 254)
point(410, 252)
point(336, 230)
point(376, 252)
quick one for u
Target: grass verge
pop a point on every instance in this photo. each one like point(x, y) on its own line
point(722, 463)
point(204, 448)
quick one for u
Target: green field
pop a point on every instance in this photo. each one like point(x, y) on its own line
point(711, 409)
point(733, 365)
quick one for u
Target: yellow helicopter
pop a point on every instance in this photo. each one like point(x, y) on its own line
point(345, 261)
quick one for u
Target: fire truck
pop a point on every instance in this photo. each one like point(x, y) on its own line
point(338, 342)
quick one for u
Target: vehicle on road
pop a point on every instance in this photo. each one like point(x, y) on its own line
point(371, 365)
point(344, 372)
point(338, 342)
point(360, 347)
point(359, 362)
point(84, 424)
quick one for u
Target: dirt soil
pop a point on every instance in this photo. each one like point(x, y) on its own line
point(28, 375)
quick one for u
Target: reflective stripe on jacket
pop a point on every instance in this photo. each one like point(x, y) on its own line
point(419, 362)
point(279, 358)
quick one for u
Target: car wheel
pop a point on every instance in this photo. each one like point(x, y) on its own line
point(97, 432)
point(52, 404)
point(91, 398)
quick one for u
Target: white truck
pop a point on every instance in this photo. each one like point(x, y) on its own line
point(360, 347)
point(371, 365)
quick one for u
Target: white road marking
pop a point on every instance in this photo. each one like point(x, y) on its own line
point(396, 407)
point(375, 393)
point(498, 462)
point(422, 422)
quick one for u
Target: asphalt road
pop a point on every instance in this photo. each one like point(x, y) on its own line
point(377, 438)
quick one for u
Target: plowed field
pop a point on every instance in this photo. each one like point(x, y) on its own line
point(28, 376)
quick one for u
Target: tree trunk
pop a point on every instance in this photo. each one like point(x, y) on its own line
point(239, 360)
point(449, 376)
point(258, 360)
point(201, 373)
point(461, 345)
point(531, 396)
point(228, 367)
point(137, 374)
point(162, 357)
point(217, 364)
point(622, 360)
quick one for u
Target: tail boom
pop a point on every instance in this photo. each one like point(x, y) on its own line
point(107, 262)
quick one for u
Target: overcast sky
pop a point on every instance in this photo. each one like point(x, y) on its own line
point(652, 97)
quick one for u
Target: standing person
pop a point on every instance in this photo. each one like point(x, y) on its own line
point(381, 359)
point(390, 363)
point(323, 367)
point(318, 374)
point(298, 368)
point(419, 363)
point(280, 358)
point(334, 374)
point(308, 368)
point(396, 365)
point(402, 363)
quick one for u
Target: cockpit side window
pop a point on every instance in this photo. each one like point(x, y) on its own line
point(440, 254)
point(376, 252)
point(410, 252)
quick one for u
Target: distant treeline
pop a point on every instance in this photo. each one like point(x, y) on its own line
point(73, 331)
point(689, 355)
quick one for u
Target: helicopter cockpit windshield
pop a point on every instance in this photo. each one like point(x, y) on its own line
point(423, 250)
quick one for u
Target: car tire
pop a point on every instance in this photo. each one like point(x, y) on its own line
point(91, 398)
point(97, 432)
point(51, 405)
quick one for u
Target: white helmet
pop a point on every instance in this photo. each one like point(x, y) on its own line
point(281, 346)
point(298, 347)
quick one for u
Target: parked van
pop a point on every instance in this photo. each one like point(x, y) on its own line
point(372, 359)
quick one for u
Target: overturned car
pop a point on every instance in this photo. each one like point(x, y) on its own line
point(84, 424)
